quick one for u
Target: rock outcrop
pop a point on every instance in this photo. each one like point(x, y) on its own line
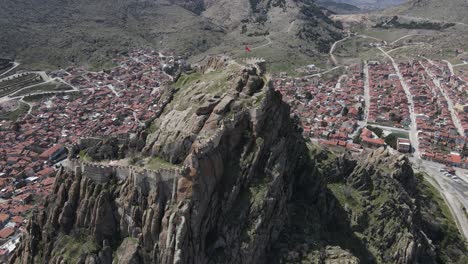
point(371, 213)
point(242, 153)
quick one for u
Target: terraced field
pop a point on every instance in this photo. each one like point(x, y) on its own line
point(5, 68)
point(46, 87)
point(12, 84)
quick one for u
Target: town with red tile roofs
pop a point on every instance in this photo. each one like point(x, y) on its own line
point(114, 103)
point(368, 107)
point(419, 108)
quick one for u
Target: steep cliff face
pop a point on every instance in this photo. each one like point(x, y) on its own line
point(374, 211)
point(238, 165)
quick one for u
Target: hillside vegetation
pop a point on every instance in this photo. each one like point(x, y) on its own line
point(445, 10)
point(59, 33)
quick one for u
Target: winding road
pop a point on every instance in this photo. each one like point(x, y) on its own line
point(453, 191)
point(405, 36)
point(450, 66)
point(324, 72)
point(264, 45)
point(15, 64)
point(333, 47)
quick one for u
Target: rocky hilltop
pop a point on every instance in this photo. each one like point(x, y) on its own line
point(238, 153)
point(235, 182)
point(374, 210)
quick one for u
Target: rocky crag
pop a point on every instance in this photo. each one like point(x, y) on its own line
point(240, 152)
point(245, 186)
point(375, 210)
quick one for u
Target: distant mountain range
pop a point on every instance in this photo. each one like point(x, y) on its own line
point(371, 4)
point(446, 10)
point(340, 8)
point(55, 33)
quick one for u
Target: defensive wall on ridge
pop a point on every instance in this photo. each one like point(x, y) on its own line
point(103, 173)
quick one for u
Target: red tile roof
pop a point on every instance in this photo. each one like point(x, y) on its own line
point(6, 232)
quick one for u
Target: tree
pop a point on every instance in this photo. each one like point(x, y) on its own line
point(391, 140)
point(357, 139)
point(361, 113)
point(376, 130)
point(345, 111)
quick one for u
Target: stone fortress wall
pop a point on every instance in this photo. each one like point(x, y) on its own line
point(103, 173)
point(258, 63)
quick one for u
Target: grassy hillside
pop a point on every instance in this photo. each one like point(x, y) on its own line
point(58, 33)
point(339, 8)
point(445, 10)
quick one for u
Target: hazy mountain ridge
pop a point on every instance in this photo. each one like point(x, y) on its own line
point(339, 8)
point(58, 33)
point(445, 10)
point(371, 4)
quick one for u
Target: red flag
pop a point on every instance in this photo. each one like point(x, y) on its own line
point(247, 49)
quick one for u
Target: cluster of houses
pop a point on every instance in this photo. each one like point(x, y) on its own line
point(455, 87)
point(329, 110)
point(443, 142)
point(388, 101)
point(115, 102)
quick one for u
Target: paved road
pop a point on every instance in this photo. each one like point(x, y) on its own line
point(391, 129)
point(332, 49)
point(455, 119)
point(363, 123)
point(30, 106)
point(460, 64)
point(406, 36)
point(454, 191)
point(374, 38)
point(112, 88)
point(450, 66)
point(15, 64)
point(366, 92)
point(408, 46)
point(413, 135)
point(324, 72)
